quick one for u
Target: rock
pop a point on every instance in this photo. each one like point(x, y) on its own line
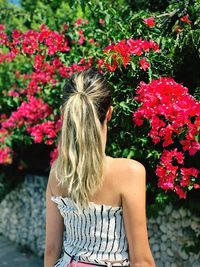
point(163, 228)
point(164, 238)
point(175, 214)
point(163, 247)
point(183, 212)
point(177, 224)
point(185, 223)
point(151, 220)
point(157, 255)
point(155, 228)
point(188, 213)
point(159, 263)
point(151, 240)
point(169, 252)
point(158, 220)
point(194, 225)
point(155, 247)
point(194, 264)
point(183, 255)
point(168, 209)
point(170, 226)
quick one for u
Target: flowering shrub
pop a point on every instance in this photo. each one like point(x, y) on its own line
point(173, 114)
point(122, 51)
point(35, 63)
point(47, 48)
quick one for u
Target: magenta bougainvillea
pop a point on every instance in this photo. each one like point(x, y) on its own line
point(173, 114)
point(123, 51)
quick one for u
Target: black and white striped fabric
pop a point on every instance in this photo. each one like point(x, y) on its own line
point(94, 234)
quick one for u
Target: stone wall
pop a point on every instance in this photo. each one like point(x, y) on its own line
point(172, 229)
point(22, 219)
point(22, 214)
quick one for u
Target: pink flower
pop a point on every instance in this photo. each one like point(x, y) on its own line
point(2, 27)
point(6, 155)
point(38, 61)
point(30, 42)
point(81, 39)
point(28, 112)
point(3, 38)
point(101, 21)
point(53, 155)
point(13, 93)
point(47, 129)
point(144, 64)
point(150, 22)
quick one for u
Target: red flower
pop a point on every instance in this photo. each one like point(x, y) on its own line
point(112, 67)
point(178, 29)
point(79, 21)
point(186, 19)
point(180, 192)
point(144, 64)
point(91, 40)
point(65, 27)
point(150, 22)
point(100, 62)
point(170, 102)
point(80, 31)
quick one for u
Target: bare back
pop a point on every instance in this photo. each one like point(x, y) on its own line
point(115, 171)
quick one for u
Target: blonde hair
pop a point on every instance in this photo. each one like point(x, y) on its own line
point(79, 165)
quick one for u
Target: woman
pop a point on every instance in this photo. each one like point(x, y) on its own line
point(97, 199)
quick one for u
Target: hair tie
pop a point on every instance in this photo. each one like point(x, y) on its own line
point(82, 93)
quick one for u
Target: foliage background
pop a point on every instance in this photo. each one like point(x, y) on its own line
point(123, 20)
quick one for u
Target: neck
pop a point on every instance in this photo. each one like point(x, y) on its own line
point(104, 136)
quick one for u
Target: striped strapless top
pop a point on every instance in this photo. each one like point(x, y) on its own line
point(94, 234)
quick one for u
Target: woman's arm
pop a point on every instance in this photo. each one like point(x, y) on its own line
point(54, 227)
point(134, 215)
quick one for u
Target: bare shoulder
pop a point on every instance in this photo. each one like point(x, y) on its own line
point(129, 176)
point(128, 169)
point(126, 163)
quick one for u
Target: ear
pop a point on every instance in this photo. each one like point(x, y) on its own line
point(109, 113)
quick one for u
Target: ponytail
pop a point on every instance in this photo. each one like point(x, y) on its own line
point(79, 165)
